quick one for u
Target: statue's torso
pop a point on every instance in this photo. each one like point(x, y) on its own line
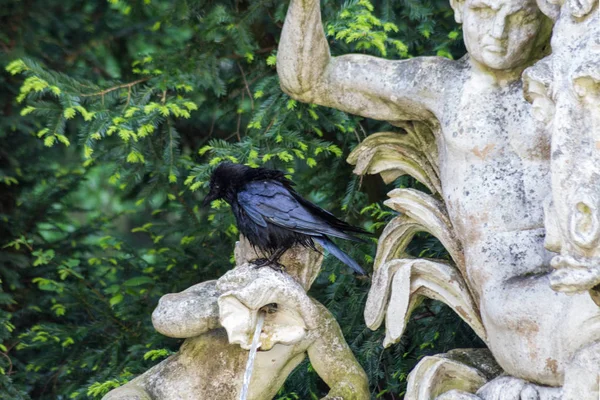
point(495, 173)
point(494, 162)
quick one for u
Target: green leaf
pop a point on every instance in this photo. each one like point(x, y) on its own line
point(135, 157)
point(63, 139)
point(49, 141)
point(204, 149)
point(272, 60)
point(69, 112)
point(157, 354)
point(116, 299)
point(27, 110)
point(16, 67)
point(137, 281)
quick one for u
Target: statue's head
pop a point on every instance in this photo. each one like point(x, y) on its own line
point(503, 34)
point(248, 291)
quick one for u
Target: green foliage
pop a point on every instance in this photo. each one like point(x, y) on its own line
point(357, 24)
point(113, 116)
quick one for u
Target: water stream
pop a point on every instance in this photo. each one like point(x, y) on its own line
point(252, 355)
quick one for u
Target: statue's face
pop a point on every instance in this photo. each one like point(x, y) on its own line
point(284, 326)
point(501, 34)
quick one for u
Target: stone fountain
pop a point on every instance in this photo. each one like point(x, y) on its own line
point(218, 320)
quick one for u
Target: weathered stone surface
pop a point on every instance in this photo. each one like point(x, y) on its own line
point(457, 395)
point(436, 375)
point(566, 86)
point(304, 266)
point(393, 154)
point(218, 319)
point(399, 285)
point(509, 388)
point(582, 377)
point(499, 158)
point(482, 359)
point(568, 81)
point(470, 374)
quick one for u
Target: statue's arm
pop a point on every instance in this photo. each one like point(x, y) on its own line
point(188, 313)
point(359, 84)
point(334, 362)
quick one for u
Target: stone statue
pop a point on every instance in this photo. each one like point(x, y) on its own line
point(218, 319)
point(484, 153)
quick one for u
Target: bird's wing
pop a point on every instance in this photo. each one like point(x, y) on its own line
point(339, 254)
point(331, 219)
point(270, 201)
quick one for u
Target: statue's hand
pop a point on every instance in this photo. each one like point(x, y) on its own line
point(247, 291)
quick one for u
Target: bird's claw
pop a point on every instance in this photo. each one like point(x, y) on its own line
point(260, 262)
point(263, 262)
point(277, 267)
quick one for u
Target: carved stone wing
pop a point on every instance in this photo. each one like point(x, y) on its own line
point(393, 154)
point(427, 214)
point(400, 282)
point(400, 285)
point(456, 375)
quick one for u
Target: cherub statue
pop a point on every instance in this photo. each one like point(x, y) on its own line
point(471, 138)
point(218, 319)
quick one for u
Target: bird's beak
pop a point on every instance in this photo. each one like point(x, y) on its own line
point(209, 199)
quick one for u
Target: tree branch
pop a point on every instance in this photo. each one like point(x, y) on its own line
point(125, 85)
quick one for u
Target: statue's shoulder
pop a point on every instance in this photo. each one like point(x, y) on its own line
point(438, 70)
point(451, 67)
point(325, 317)
point(443, 62)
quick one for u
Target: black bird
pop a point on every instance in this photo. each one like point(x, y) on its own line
point(274, 217)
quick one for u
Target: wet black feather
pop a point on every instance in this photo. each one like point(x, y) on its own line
point(273, 216)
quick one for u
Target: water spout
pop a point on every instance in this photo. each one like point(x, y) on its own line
point(252, 355)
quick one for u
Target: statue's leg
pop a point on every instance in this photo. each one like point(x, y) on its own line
point(127, 392)
point(582, 374)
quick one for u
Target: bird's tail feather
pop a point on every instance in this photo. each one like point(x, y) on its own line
point(339, 254)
